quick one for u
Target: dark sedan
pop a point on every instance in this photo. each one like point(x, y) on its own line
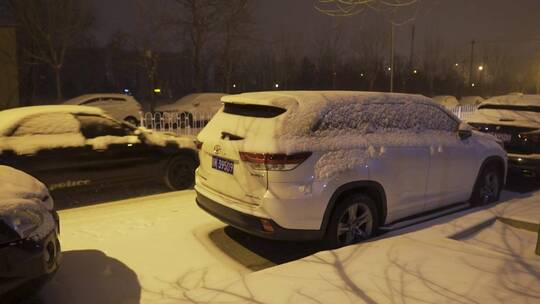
point(75, 146)
point(29, 248)
point(515, 120)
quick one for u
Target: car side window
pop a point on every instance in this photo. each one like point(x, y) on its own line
point(91, 102)
point(96, 126)
point(47, 124)
point(366, 118)
point(435, 119)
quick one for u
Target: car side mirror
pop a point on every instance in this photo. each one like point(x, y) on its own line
point(464, 131)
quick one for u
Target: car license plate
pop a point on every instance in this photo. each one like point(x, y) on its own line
point(505, 137)
point(223, 165)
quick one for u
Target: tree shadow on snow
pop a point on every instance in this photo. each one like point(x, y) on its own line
point(90, 276)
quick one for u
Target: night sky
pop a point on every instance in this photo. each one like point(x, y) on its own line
point(506, 23)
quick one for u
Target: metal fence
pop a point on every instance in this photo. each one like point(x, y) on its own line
point(464, 111)
point(181, 124)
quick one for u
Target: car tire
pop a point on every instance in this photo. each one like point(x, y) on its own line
point(132, 120)
point(488, 186)
point(356, 209)
point(180, 173)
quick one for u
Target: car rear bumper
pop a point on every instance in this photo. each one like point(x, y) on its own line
point(524, 165)
point(255, 225)
point(28, 264)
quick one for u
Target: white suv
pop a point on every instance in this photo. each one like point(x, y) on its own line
point(335, 166)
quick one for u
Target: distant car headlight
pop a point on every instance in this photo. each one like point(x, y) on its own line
point(23, 221)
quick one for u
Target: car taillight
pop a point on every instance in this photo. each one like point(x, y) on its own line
point(274, 162)
point(198, 144)
point(530, 137)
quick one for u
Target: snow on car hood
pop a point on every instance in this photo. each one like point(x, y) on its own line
point(505, 117)
point(20, 191)
point(17, 185)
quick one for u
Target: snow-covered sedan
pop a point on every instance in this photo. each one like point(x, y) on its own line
point(193, 110)
point(77, 146)
point(515, 120)
point(337, 165)
point(29, 248)
point(119, 106)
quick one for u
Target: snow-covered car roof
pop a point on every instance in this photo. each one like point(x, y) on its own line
point(313, 100)
point(511, 110)
point(471, 100)
point(190, 100)
point(80, 99)
point(514, 100)
point(446, 100)
point(12, 117)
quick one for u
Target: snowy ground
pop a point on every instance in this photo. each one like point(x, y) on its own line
point(164, 248)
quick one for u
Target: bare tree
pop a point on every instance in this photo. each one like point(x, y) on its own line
point(371, 46)
point(236, 20)
point(52, 26)
point(432, 61)
point(396, 12)
point(198, 20)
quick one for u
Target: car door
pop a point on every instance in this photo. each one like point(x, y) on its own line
point(452, 161)
point(49, 147)
point(123, 155)
point(399, 160)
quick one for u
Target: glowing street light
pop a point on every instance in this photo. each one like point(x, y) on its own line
point(473, 84)
point(276, 85)
point(457, 64)
point(415, 71)
point(481, 68)
point(157, 90)
point(389, 68)
point(234, 85)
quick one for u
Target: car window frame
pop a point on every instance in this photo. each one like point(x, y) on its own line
point(124, 126)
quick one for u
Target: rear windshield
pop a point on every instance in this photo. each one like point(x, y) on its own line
point(511, 108)
point(252, 110)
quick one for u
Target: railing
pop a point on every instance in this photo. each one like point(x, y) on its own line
point(181, 124)
point(464, 111)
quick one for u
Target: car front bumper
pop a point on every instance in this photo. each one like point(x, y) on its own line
point(524, 165)
point(255, 225)
point(25, 265)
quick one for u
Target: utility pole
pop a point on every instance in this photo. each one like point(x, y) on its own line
point(473, 42)
point(411, 55)
point(392, 59)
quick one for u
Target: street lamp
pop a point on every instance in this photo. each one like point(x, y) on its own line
point(276, 85)
point(481, 68)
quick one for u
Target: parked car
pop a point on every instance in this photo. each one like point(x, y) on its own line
point(514, 119)
point(447, 101)
point(78, 146)
point(119, 106)
point(194, 110)
point(335, 166)
point(471, 100)
point(29, 248)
